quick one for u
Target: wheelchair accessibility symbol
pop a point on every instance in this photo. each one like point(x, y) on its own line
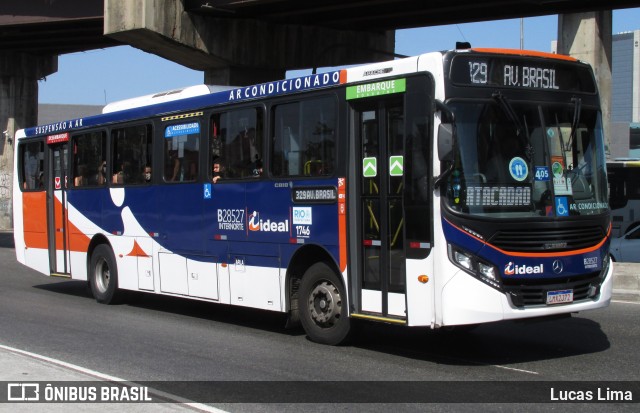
point(207, 191)
point(562, 206)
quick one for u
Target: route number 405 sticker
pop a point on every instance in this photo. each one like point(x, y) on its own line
point(542, 173)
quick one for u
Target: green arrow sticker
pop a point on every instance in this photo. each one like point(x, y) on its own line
point(396, 165)
point(369, 167)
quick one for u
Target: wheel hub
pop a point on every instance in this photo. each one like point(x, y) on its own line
point(325, 304)
point(102, 275)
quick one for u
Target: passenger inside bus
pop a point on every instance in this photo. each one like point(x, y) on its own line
point(122, 176)
point(79, 180)
point(146, 174)
point(101, 173)
point(177, 172)
point(219, 170)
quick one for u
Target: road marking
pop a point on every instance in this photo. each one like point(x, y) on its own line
point(106, 377)
point(514, 369)
point(624, 302)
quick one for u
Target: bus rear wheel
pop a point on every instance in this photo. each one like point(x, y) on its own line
point(103, 275)
point(323, 308)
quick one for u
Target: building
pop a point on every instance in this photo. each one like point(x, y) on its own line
point(625, 95)
point(51, 113)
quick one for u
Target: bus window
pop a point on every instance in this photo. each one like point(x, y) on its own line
point(131, 153)
point(181, 149)
point(236, 144)
point(89, 153)
point(304, 140)
point(32, 167)
point(624, 195)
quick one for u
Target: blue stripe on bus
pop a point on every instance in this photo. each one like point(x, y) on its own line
point(576, 264)
point(188, 224)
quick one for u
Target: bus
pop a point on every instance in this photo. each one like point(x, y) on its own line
point(448, 189)
point(624, 194)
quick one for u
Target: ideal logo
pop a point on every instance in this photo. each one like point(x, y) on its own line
point(513, 269)
point(257, 224)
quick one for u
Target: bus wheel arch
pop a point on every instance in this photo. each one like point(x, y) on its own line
point(318, 296)
point(102, 272)
point(302, 259)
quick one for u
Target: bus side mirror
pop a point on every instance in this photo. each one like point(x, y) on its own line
point(445, 142)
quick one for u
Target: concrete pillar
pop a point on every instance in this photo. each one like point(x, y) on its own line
point(587, 36)
point(237, 51)
point(240, 76)
point(19, 74)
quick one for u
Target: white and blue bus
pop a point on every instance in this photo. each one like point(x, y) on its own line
point(624, 195)
point(441, 190)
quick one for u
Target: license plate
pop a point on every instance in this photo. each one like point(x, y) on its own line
point(559, 297)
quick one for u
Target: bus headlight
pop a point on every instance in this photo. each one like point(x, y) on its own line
point(488, 271)
point(474, 265)
point(463, 260)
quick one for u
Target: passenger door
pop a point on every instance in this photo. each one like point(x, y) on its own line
point(380, 137)
point(390, 193)
point(56, 183)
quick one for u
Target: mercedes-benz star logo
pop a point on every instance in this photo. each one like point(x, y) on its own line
point(557, 266)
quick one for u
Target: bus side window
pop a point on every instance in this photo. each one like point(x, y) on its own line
point(32, 167)
point(89, 152)
point(237, 143)
point(181, 152)
point(304, 140)
point(131, 154)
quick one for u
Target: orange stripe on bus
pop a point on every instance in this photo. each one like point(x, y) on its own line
point(343, 76)
point(34, 215)
point(537, 254)
point(519, 52)
point(342, 223)
point(137, 251)
point(78, 240)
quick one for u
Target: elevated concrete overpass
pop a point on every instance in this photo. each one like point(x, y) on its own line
point(65, 26)
point(250, 41)
point(372, 15)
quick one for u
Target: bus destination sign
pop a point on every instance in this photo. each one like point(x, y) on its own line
point(314, 194)
point(522, 73)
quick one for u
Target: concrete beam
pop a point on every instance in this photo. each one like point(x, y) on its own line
point(19, 74)
point(251, 46)
point(587, 36)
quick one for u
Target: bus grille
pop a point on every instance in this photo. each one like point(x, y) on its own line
point(547, 240)
point(523, 295)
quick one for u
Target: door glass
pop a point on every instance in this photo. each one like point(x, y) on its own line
point(395, 174)
point(372, 239)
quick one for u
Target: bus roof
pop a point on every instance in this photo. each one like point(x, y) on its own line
point(526, 53)
point(161, 97)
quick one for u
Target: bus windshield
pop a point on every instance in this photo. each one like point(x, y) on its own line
point(523, 159)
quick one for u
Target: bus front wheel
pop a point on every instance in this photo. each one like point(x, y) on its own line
point(323, 305)
point(103, 275)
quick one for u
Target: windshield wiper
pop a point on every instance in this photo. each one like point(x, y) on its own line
point(511, 113)
point(508, 110)
point(577, 109)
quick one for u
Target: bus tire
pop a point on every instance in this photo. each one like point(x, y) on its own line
point(103, 275)
point(323, 308)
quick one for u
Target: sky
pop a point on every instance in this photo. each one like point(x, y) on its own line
point(101, 76)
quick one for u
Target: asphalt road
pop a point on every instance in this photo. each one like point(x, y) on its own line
point(153, 338)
